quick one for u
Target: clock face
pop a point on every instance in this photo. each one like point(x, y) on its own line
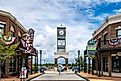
point(61, 32)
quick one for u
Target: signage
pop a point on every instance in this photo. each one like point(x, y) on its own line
point(91, 48)
point(31, 33)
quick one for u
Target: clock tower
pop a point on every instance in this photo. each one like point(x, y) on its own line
point(61, 45)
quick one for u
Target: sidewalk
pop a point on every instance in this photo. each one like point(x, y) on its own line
point(96, 78)
point(18, 79)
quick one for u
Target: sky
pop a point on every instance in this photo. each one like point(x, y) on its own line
point(80, 17)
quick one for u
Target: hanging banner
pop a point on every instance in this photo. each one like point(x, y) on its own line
point(113, 42)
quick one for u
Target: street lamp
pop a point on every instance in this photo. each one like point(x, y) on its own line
point(40, 59)
point(79, 59)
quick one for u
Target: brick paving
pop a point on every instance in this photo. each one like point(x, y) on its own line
point(96, 78)
point(17, 79)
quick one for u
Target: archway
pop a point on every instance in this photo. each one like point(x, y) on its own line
point(61, 61)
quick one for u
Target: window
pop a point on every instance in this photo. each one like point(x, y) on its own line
point(13, 35)
point(118, 32)
point(105, 38)
point(2, 28)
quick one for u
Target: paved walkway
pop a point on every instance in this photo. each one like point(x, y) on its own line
point(96, 78)
point(54, 76)
point(17, 79)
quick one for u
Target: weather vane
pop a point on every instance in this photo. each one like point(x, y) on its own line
point(61, 25)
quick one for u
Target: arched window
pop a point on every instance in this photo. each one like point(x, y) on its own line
point(12, 29)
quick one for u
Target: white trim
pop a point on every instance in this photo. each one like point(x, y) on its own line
point(12, 18)
point(119, 27)
point(105, 32)
point(12, 29)
point(110, 20)
point(99, 37)
point(1, 22)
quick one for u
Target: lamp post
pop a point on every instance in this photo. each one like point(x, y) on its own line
point(79, 59)
point(40, 59)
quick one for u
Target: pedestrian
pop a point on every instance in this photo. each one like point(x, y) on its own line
point(59, 68)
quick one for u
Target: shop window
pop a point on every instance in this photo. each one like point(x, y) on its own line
point(12, 66)
point(2, 26)
point(105, 38)
point(118, 33)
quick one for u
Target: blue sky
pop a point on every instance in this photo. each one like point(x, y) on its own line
point(81, 17)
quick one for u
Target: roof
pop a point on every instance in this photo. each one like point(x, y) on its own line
point(109, 20)
point(12, 18)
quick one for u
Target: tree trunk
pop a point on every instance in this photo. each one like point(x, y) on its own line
point(6, 69)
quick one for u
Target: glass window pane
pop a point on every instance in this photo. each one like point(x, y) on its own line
point(119, 33)
point(1, 26)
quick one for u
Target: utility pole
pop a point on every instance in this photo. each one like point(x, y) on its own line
point(40, 59)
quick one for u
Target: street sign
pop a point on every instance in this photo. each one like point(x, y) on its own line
point(91, 48)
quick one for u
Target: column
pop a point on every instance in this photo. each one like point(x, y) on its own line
point(85, 68)
point(96, 64)
point(31, 64)
point(88, 65)
point(102, 64)
point(35, 65)
point(99, 64)
point(66, 61)
point(37, 62)
point(109, 64)
point(55, 62)
point(93, 65)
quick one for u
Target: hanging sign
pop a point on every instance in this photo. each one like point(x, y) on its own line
point(91, 47)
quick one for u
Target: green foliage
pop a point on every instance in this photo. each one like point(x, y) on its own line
point(79, 61)
point(7, 52)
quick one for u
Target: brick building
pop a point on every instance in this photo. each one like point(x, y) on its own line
point(108, 52)
point(9, 24)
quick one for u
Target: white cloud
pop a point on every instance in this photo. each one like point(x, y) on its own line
point(45, 15)
point(117, 11)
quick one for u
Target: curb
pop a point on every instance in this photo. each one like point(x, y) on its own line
point(83, 77)
point(33, 77)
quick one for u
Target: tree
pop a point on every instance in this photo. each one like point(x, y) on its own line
point(80, 61)
point(6, 53)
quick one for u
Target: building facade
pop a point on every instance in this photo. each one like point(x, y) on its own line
point(108, 47)
point(9, 26)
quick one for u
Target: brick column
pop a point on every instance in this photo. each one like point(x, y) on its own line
point(101, 64)
point(109, 64)
point(96, 64)
point(93, 65)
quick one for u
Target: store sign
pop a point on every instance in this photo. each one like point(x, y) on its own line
point(91, 47)
point(31, 33)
